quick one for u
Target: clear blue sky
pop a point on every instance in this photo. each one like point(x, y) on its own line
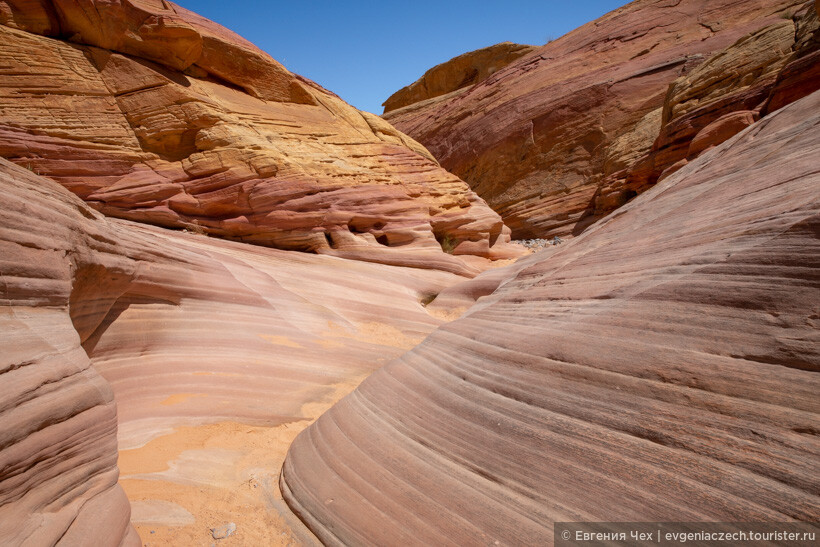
point(364, 51)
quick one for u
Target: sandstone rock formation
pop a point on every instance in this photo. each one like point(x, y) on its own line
point(561, 136)
point(217, 353)
point(58, 443)
point(151, 113)
point(459, 73)
point(753, 77)
point(662, 366)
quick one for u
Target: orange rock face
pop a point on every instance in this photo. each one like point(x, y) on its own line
point(662, 366)
point(549, 140)
point(151, 113)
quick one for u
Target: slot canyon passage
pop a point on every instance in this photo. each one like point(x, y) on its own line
point(236, 310)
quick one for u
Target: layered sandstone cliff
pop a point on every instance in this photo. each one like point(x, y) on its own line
point(215, 352)
point(729, 91)
point(565, 135)
point(662, 366)
point(151, 113)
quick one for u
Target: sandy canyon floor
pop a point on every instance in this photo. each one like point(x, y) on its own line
point(202, 440)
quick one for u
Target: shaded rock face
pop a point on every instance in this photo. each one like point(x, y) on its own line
point(735, 87)
point(661, 366)
point(151, 113)
point(550, 140)
point(458, 73)
point(217, 353)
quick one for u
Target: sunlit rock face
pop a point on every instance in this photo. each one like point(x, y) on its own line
point(198, 359)
point(216, 354)
point(459, 73)
point(662, 366)
point(151, 113)
point(561, 137)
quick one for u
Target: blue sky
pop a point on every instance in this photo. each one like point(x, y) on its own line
point(364, 51)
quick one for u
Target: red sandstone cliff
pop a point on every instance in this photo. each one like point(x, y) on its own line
point(570, 132)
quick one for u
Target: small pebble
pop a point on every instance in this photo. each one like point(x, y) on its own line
point(221, 532)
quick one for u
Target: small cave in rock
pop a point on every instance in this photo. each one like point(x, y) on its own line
point(427, 299)
point(627, 195)
point(448, 243)
point(361, 224)
point(495, 231)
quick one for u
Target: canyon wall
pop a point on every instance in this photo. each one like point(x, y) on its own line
point(662, 366)
point(58, 446)
point(566, 134)
point(216, 352)
point(151, 113)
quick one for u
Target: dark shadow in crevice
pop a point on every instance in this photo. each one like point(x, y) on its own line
point(99, 295)
point(329, 240)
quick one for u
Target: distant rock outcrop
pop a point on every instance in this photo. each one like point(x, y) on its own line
point(458, 73)
point(563, 136)
point(662, 366)
point(149, 112)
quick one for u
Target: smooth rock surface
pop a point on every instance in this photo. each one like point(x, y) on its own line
point(662, 366)
point(217, 354)
point(548, 141)
point(58, 440)
point(151, 113)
